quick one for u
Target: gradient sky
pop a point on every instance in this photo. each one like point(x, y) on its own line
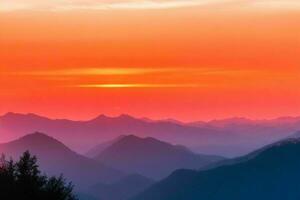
point(190, 60)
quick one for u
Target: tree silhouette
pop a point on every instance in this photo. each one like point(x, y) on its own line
point(23, 180)
point(55, 188)
point(7, 179)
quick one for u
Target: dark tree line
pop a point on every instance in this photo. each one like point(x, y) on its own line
point(22, 180)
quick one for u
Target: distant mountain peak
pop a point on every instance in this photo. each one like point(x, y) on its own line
point(129, 139)
point(233, 120)
point(37, 134)
point(39, 140)
point(288, 141)
point(151, 157)
point(13, 115)
point(135, 139)
point(42, 137)
point(100, 117)
point(295, 135)
point(126, 116)
point(8, 114)
point(103, 117)
point(131, 136)
point(101, 147)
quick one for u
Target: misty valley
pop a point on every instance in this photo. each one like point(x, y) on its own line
point(149, 99)
point(140, 159)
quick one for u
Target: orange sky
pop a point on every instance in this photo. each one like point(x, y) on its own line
point(182, 60)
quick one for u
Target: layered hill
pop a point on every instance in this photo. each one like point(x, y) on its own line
point(151, 157)
point(270, 173)
point(123, 189)
point(55, 158)
point(101, 147)
point(230, 137)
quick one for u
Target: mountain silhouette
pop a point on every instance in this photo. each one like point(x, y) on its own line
point(269, 173)
point(151, 157)
point(55, 158)
point(123, 189)
point(101, 147)
point(230, 137)
point(294, 135)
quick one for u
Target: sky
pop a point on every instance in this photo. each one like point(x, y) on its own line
point(189, 60)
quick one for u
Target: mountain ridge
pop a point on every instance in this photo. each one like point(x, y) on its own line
point(272, 174)
point(226, 140)
point(123, 189)
point(151, 157)
point(55, 158)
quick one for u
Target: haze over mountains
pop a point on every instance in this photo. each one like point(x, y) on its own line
point(150, 157)
point(273, 173)
point(95, 151)
point(92, 179)
point(116, 173)
point(123, 189)
point(55, 159)
point(229, 137)
point(142, 167)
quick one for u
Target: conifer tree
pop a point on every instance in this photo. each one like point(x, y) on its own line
point(23, 180)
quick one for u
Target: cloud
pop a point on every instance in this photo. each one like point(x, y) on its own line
point(129, 71)
point(98, 71)
point(137, 85)
point(64, 5)
point(276, 4)
point(137, 5)
point(163, 74)
point(60, 5)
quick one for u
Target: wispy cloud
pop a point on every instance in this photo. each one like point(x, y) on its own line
point(137, 5)
point(130, 71)
point(131, 77)
point(59, 5)
point(98, 71)
point(275, 4)
point(163, 77)
point(138, 85)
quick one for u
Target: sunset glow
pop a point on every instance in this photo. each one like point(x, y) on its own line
point(135, 86)
point(96, 71)
point(190, 60)
point(62, 5)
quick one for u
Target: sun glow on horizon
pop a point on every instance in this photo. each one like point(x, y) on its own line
point(97, 71)
point(61, 5)
point(183, 58)
point(137, 85)
point(13, 5)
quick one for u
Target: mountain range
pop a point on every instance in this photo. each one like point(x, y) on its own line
point(131, 167)
point(119, 170)
point(230, 137)
point(123, 189)
point(269, 173)
point(55, 158)
point(95, 151)
point(150, 157)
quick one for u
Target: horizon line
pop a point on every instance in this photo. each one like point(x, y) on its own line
point(144, 118)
